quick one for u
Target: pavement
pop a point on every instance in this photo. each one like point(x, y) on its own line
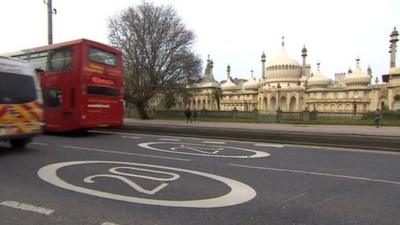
point(349, 136)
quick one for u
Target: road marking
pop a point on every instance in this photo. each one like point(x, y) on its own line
point(27, 207)
point(237, 192)
point(169, 139)
point(214, 142)
point(319, 174)
point(109, 223)
point(39, 143)
point(202, 150)
point(268, 145)
point(109, 132)
point(291, 199)
point(123, 153)
point(325, 200)
point(131, 137)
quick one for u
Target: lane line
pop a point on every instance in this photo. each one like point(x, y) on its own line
point(131, 137)
point(169, 139)
point(319, 174)
point(109, 223)
point(123, 153)
point(325, 200)
point(214, 142)
point(268, 145)
point(27, 207)
point(291, 199)
point(39, 143)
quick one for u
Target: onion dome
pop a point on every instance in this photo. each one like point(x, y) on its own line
point(318, 80)
point(251, 84)
point(358, 77)
point(283, 59)
point(283, 68)
point(229, 85)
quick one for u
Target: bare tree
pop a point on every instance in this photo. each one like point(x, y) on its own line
point(157, 50)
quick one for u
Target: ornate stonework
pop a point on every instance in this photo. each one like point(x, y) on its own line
point(287, 84)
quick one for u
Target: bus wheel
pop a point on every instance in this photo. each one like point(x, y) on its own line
point(19, 143)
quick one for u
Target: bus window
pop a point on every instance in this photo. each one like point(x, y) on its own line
point(11, 86)
point(53, 98)
point(103, 57)
point(60, 59)
point(105, 91)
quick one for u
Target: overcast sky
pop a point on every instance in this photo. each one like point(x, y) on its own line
point(233, 32)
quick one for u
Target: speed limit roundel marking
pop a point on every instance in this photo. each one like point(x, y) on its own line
point(239, 192)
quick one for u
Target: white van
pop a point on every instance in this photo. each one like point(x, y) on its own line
point(21, 114)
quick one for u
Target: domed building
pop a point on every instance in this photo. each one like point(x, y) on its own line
point(290, 86)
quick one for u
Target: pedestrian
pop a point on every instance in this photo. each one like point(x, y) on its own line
point(377, 117)
point(194, 115)
point(188, 115)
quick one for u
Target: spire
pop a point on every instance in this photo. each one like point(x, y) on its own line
point(228, 71)
point(349, 71)
point(252, 74)
point(283, 42)
point(304, 55)
point(369, 71)
point(393, 40)
point(394, 33)
point(318, 65)
point(263, 57)
point(304, 51)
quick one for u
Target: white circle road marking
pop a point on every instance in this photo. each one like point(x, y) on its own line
point(257, 154)
point(239, 192)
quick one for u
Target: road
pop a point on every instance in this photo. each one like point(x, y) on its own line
point(109, 178)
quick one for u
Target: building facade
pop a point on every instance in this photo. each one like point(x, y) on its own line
point(291, 86)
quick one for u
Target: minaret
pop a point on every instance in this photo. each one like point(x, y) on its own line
point(304, 55)
point(393, 39)
point(211, 68)
point(263, 57)
point(228, 72)
point(369, 71)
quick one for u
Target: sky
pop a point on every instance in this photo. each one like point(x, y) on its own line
point(233, 32)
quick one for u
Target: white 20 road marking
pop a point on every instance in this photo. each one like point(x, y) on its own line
point(201, 150)
point(117, 175)
point(27, 207)
point(238, 192)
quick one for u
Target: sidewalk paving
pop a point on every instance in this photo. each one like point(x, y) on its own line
point(361, 137)
point(319, 129)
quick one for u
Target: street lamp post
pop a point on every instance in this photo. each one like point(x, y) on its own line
point(50, 12)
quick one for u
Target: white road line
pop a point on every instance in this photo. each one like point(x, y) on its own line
point(291, 199)
point(319, 174)
point(109, 223)
point(27, 207)
point(214, 142)
point(123, 153)
point(131, 137)
point(109, 132)
point(169, 139)
point(39, 143)
point(268, 145)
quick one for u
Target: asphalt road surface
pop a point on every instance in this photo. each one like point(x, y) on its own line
point(106, 178)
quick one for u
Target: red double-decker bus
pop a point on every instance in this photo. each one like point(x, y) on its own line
point(81, 82)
